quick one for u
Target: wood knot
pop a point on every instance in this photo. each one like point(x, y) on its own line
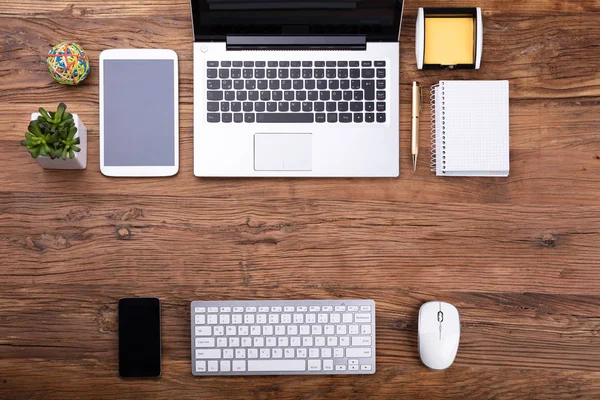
point(597, 156)
point(107, 319)
point(123, 233)
point(548, 240)
point(132, 213)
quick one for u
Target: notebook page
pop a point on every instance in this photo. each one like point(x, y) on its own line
point(476, 128)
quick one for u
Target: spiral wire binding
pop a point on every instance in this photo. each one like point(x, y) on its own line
point(433, 140)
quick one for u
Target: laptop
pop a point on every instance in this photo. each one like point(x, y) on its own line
point(299, 88)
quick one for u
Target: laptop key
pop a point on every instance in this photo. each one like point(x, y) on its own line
point(355, 73)
point(248, 106)
point(248, 73)
point(336, 95)
point(301, 95)
point(306, 106)
point(344, 84)
point(380, 63)
point(288, 95)
point(259, 73)
point(248, 117)
point(358, 117)
point(272, 64)
point(342, 106)
point(319, 73)
point(295, 73)
point(320, 117)
point(380, 72)
point(214, 95)
point(381, 106)
point(323, 95)
point(227, 84)
point(342, 73)
point(319, 64)
point(342, 64)
point(227, 117)
point(250, 84)
point(380, 117)
point(283, 73)
point(334, 84)
point(213, 84)
point(212, 106)
point(274, 84)
point(368, 73)
point(224, 73)
point(238, 84)
point(212, 64)
point(211, 73)
point(356, 106)
point(321, 84)
point(213, 117)
point(369, 117)
point(330, 63)
point(354, 64)
point(286, 84)
point(313, 95)
point(271, 106)
point(253, 95)
point(259, 106)
point(298, 84)
point(265, 95)
point(369, 87)
point(248, 64)
point(295, 64)
point(230, 95)
point(365, 63)
point(236, 73)
point(295, 106)
point(259, 64)
point(238, 117)
point(319, 106)
point(224, 106)
point(331, 117)
point(283, 117)
point(309, 84)
point(237, 64)
point(242, 95)
point(306, 64)
point(236, 106)
point(369, 106)
point(381, 84)
point(347, 95)
point(358, 95)
point(283, 106)
point(277, 95)
point(330, 73)
point(284, 64)
point(355, 84)
point(271, 73)
point(345, 117)
point(380, 95)
point(330, 106)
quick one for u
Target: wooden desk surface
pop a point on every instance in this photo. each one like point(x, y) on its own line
point(519, 257)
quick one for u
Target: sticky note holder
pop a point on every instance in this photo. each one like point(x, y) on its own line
point(449, 38)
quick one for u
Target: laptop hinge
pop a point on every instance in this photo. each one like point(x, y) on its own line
point(356, 42)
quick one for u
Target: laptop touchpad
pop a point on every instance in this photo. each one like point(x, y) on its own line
point(283, 152)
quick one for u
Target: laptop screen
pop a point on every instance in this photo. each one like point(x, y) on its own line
point(378, 20)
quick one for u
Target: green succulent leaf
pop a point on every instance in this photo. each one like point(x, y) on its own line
point(46, 116)
point(59, 112)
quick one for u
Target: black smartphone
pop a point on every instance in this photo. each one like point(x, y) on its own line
point(139, 337)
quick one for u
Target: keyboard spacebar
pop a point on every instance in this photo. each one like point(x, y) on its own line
point(284, 117)
point(276, 365)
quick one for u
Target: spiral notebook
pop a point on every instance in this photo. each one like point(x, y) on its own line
point(469, 128)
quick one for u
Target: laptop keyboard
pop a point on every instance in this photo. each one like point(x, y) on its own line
point(296, 91)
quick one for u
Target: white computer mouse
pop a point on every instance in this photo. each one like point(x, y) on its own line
point(439, 334)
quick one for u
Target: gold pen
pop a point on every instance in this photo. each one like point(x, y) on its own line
point(416, 113)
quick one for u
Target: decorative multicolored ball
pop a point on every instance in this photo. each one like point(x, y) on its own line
point(68, 63)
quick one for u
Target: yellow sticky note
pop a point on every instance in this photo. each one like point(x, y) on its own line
point(449, 41)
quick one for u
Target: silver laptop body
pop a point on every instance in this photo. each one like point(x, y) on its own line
point(296, 88)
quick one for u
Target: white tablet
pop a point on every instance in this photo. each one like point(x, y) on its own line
point(139, 112)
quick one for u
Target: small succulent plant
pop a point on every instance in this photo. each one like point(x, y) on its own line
point(52, 134)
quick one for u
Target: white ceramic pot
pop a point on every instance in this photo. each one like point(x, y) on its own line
point(80, 160)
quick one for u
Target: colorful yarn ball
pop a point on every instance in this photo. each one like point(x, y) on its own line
point(68, 63)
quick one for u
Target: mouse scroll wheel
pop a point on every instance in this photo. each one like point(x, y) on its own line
point(440, 316)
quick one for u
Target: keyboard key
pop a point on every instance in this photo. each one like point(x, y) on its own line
point(330, 73)
point(380, 84)
point(259, 73)
point(211, 73)
point(236, 106)
point(342, 73)
point(212, 106)
point(334, 84)
point(253, 95)
point(320, 117)
point(238, 84)
point(342, 106)
point(321, 84)
point(330, 63)
point(237, 64)
point(369, 106)
point(227, 84)
point(306, 106)
point(288, 95)
point(355, 73)
point(277, 95)
point(358, 352)
point(208, 353)
point(358, 95)
point(212, 63)
point(286, 84)
point(319, 63)
point(380, 73)
point(213, 117)
point(380, 117)
point(380, 95)
point(225, 366)
point(265, 95)
point(342, 64)
point(324, 95)
point(298, 84)
point(248, 73)
point(283, 117)
point(347, 95)
point(295, 73)
point(329, 106)
point(213, 84)
point(271, 106)
point(309, 84)
point(285, 64)
point(358, 117)
point(369, 117)
point(259, 106)
point(247, 107)
point(200, 366)
point(283, 73)
point(381, 107)
point(344, 84)
point(259, 64)
point(238, 117)
point(314, 365)
point(356, 106)
point(354, 64)
point(236, 73)
point(345, 117)
point(336, 95)
point(271, 73)
point(276, 365)
point(331, 117)
point(355, 84)
point(307, 64)
point(249, 117)
point(223, 73)
point(380, 63)
point(241, 95)
point(365, 64)
point(361, 340)
point(229, 95)
point(239, 365)
point(369, 87)
point(295, 64)
point(295, 107)
point(368, 73)
point(319, 73)
point(205, 342)
point(319, 106)
point(213, 366)
point(248, 64)
point(274, 84)
point(272, 64)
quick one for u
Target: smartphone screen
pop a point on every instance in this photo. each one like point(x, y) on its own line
point(139, 337)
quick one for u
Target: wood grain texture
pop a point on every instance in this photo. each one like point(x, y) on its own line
point(519, 256)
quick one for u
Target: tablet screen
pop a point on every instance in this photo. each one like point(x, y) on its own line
point(139, 113)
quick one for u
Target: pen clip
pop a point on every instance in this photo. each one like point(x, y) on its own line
point(420, 99)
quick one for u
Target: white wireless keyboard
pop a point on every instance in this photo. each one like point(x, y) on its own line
point(283, 337)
